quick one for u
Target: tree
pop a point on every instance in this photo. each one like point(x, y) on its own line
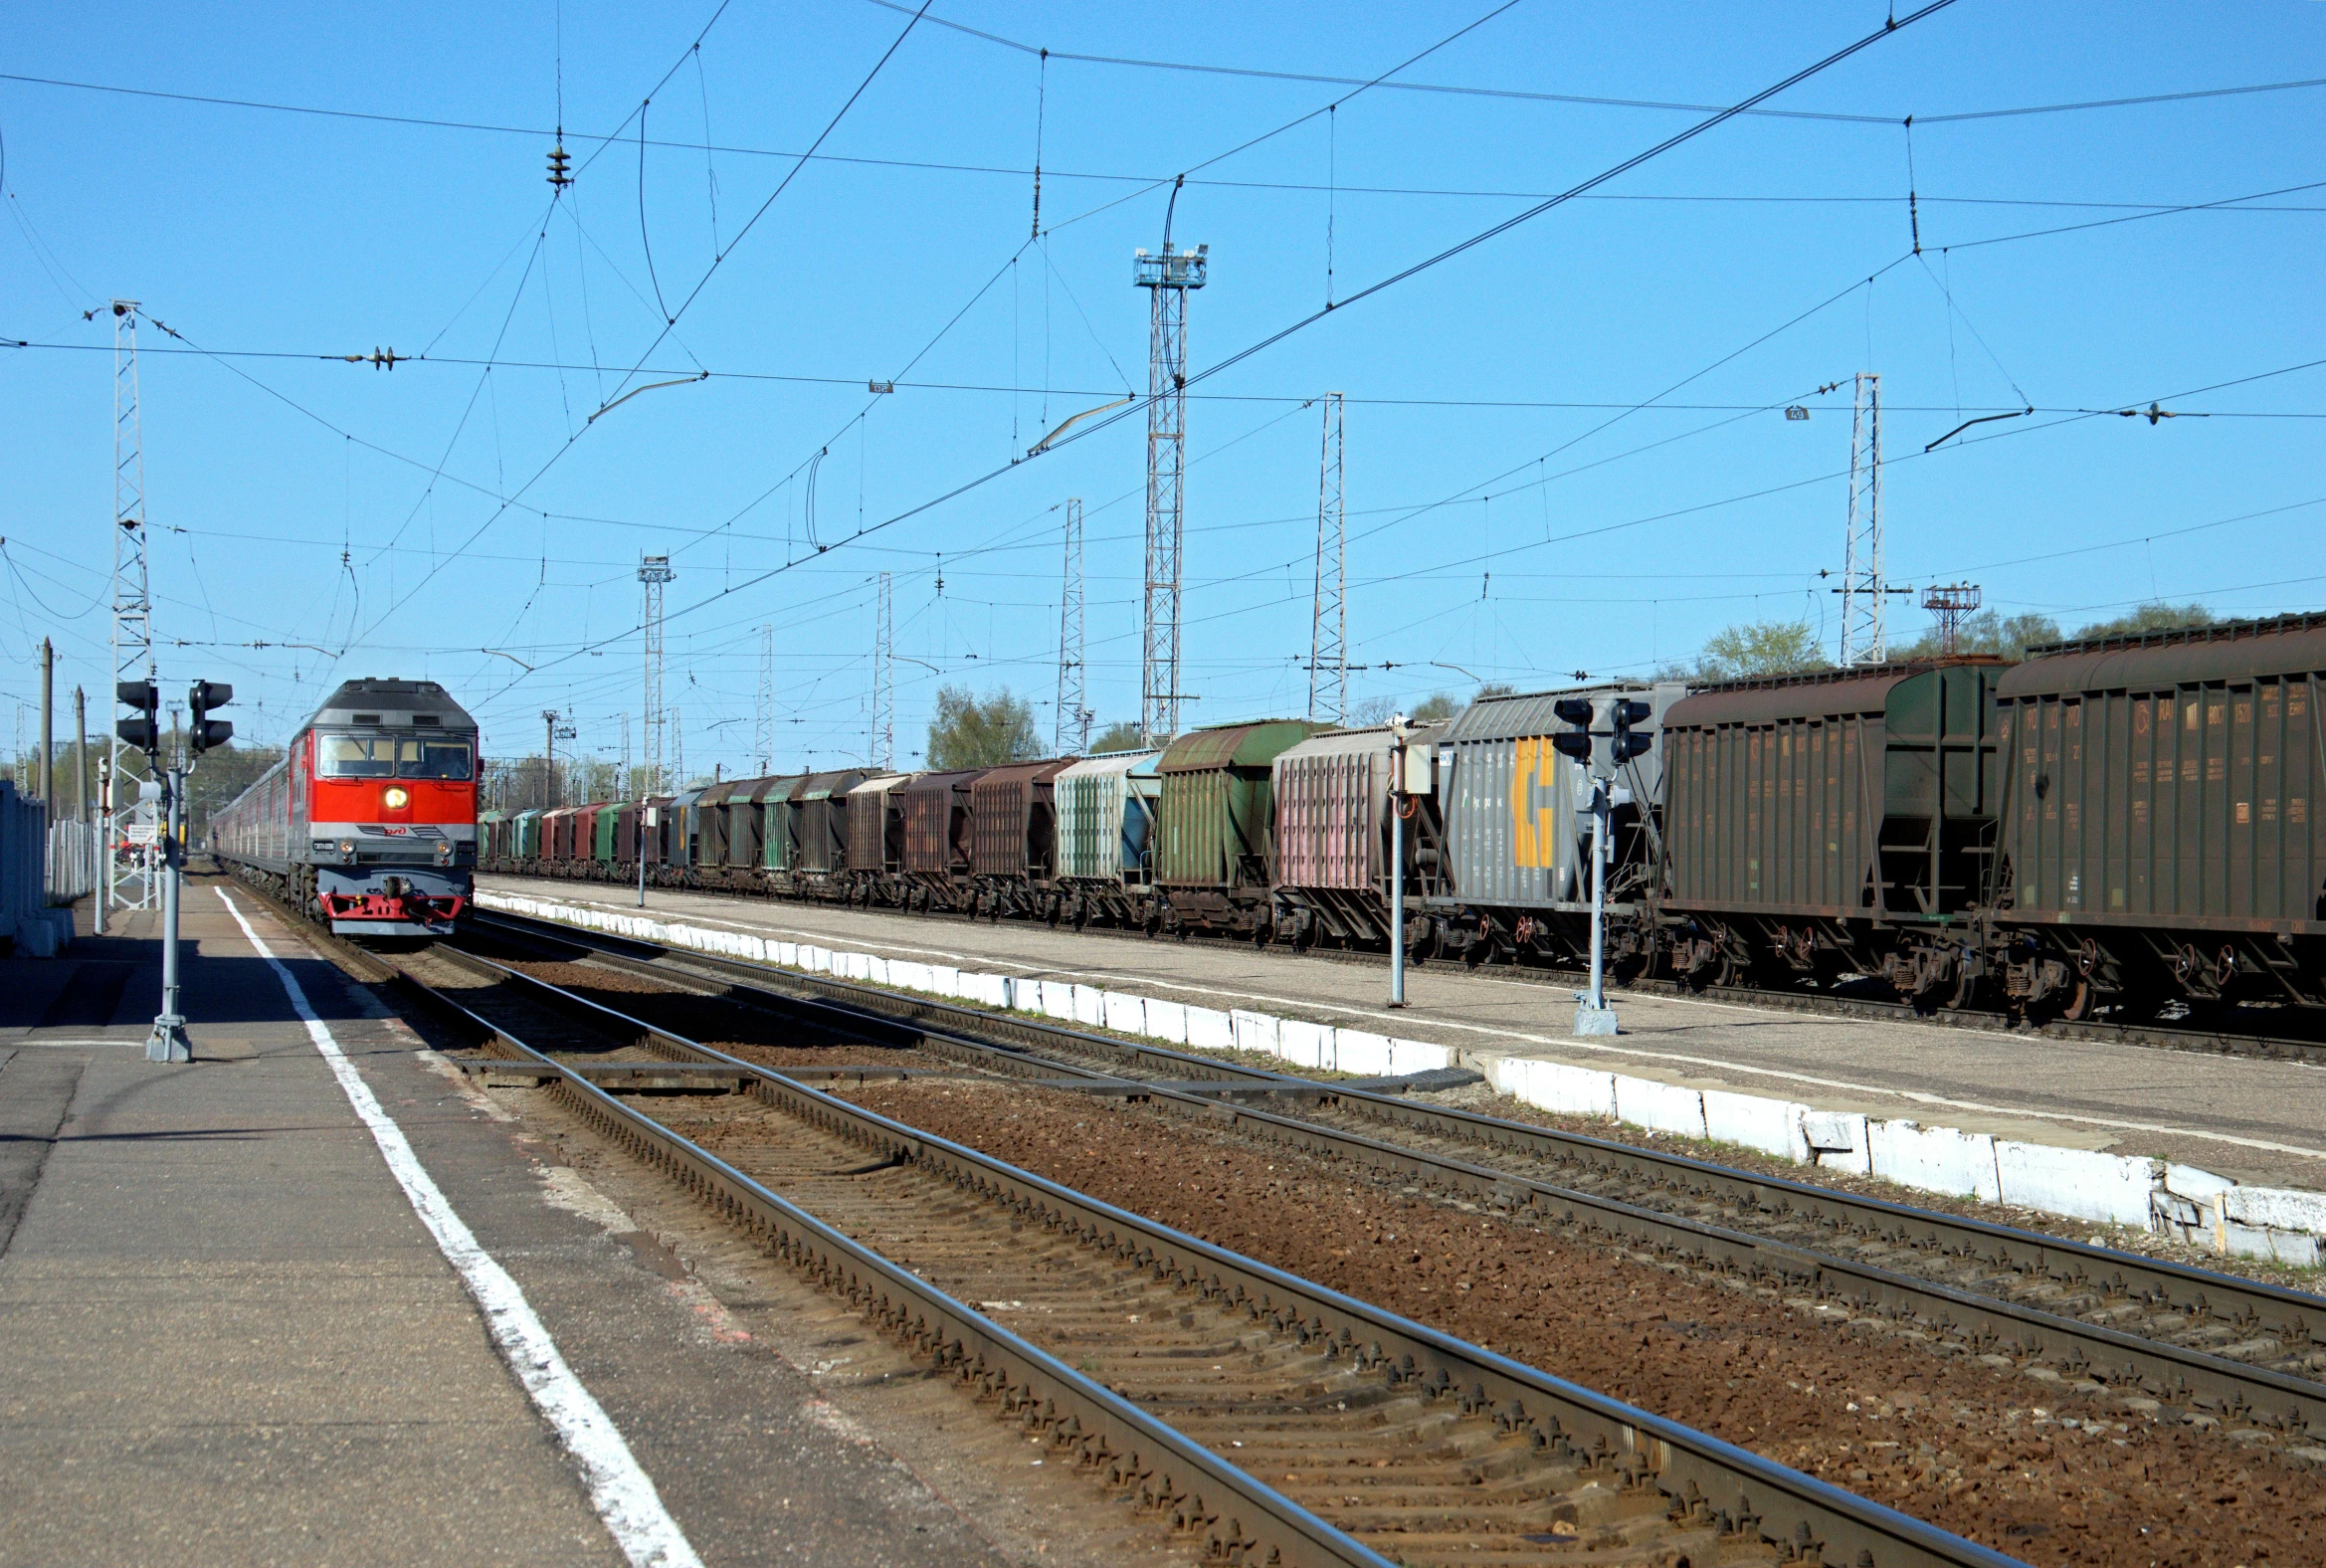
point(973, 732)
point(1495, 689)
point(2156, 616)
point(1372, 711)
point(1123, 735)
point(1437, 705)
point(1760, 648)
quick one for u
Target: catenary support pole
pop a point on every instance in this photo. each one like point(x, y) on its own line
point(47, 730)
point(80, 755)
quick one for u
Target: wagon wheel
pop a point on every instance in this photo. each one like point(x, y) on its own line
point(1964, 986)
point(2079, 1001)
point(1081, 914)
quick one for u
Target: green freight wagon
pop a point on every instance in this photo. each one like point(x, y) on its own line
point(777, 850)
point(1216, 826)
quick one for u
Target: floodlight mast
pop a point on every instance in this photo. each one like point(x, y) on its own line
point(1167, 278)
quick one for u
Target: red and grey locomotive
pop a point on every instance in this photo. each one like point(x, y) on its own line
point(369, 822)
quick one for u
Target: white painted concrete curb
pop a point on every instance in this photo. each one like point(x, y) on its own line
point(2181, 1201)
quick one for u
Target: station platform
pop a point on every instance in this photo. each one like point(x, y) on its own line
point(2252, 1120)
point(232, 1338)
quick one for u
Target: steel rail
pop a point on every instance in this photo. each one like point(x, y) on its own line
point(2290, 1403)
point(1702, 1476)
point(1240, 1516)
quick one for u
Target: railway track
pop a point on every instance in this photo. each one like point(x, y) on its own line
point(2140, 1328)
point(1260, 1415)
point(2228, 1038)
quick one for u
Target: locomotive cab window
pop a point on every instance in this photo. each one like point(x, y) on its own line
point(355, 757)
point(431, 759)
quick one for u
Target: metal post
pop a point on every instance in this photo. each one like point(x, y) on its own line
point(168, 1042)
point(80, 756)
point(644, 820)
point(1591, 1014)
point(104, 899)
point(47, 731)
point(1396, 882)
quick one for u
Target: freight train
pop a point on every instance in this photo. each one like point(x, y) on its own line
point(2126, 824)
point(369, 824)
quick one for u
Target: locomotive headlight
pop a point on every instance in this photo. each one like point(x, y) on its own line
point(396, 797)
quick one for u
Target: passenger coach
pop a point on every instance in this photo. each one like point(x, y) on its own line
point(369, 822)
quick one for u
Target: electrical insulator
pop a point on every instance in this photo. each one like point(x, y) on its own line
point(560, 167)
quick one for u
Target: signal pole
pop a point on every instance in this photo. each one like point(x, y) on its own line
point(1073, 714)
point(1328, 635)
point(884, 746)
point(653, 572)
point(1167, 278)
point(133, 643)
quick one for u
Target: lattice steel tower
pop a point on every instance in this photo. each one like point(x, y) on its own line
point(1074, 712)
point(884, 747)
point(1862, 589)
point(1328, 636)
point(763, 715)
point(653, 572)
point(1167, 278)
point(132, 644)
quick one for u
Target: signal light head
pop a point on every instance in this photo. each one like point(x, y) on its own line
point(1574, 710)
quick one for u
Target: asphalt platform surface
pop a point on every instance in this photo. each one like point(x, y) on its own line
point(231, 1340)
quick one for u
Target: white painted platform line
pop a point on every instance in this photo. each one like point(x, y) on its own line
point(621, 1493)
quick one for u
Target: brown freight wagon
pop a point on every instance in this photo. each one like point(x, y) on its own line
point(1835, 824)
point(714, 828)
point(876, 840)
point(1013, 813)
point(937, 850)
point(2160, 836)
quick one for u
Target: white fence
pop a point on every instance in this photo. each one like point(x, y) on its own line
point(27, 923)
point(74, 850)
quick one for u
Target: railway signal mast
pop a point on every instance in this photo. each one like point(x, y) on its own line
point(1167, 277)
point(1600, 739)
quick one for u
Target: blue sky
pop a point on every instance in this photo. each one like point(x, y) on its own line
point(1514, 513)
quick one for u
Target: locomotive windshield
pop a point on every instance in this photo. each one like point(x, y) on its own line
point(389, 756)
